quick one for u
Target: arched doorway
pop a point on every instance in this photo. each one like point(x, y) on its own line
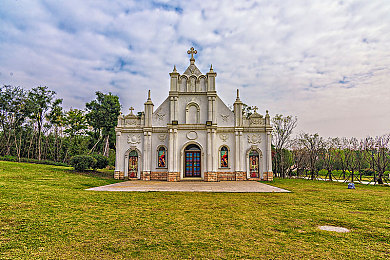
point(133, 164)
point(254, 164)
point(192, 161)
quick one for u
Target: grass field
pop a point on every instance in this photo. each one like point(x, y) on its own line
point(45, 212)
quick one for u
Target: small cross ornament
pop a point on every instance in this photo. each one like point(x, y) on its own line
point(192, 51)
point(131, 110)
point(255, 108)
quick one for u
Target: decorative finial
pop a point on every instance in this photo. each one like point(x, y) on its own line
point(255, 108)
point(266, 111)
point(149, 94)
point(174, 68)
point(211, 68)
point(238, 93)
point(131, 110)
point(192, 51)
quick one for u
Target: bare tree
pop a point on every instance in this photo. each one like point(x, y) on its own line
point(328, 156)
point(378, 151)
point(282, 130)
point(313, 144)
point(299, 156)
point(355, 158)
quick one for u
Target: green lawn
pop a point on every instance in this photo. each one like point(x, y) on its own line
point(46, 213)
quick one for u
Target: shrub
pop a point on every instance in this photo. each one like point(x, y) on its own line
point(83, 162)
point(368, 172)
point(101, 161)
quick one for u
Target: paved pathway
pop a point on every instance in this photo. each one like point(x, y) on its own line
point(190, 186)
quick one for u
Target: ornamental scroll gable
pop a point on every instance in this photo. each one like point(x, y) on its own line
point(256, 119)
point(129, 120)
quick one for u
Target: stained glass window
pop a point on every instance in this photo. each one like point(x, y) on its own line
point(133, 164)
point(254, 164)
point(224, 157)
point(162, 157)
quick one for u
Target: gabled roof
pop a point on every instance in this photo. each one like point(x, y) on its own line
point(192, 70)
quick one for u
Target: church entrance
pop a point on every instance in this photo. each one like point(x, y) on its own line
point(133, 164)
point(192, 161)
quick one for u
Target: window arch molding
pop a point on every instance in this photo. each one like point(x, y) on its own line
point(197, 115)
point(220, 149)
point(260, 156)
point(126, 157)
point(158, 155)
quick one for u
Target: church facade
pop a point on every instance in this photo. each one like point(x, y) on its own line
point(193, 135)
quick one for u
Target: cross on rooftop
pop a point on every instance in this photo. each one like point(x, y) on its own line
point(131, 110)
point(192, 51)
point(255, 108)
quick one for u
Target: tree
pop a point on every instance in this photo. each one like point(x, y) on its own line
point(40, 101)
point(328, 155)
point(13, 113)
point(282, 130)
point(299, 155)
point(378, 150)
point(75, 123)
point(313, 144)
point(102, 115)
point(56, 119)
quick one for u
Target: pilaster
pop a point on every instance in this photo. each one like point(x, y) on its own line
point(147, 155)
point(209, 151)
point(118, 151)
point(176, 153)
point(211, 79)
point(215, 156)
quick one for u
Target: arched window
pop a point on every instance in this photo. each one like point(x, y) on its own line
point(254, 164)
point(224, 157)
point(162, 157)
point(133, 164)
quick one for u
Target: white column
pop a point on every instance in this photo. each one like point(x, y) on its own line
point(118, 154)
point(210, 109)
point(172, 109)
point(176, 153)
point(214, 109)
point(170, 151)
point(145, 152)
point(237, 149)
point(150, 151)
point(269, 153)
point(214, 153)
point(241, 151)
point(209, 151)
point(175, 109)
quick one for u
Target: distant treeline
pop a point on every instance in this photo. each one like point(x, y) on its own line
point(314, 156)
point(34, 125)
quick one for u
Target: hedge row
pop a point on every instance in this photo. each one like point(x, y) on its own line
point(15, 159)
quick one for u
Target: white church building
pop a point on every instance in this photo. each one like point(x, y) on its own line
point(193, 135)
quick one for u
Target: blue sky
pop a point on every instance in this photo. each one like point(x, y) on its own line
point(325, 61)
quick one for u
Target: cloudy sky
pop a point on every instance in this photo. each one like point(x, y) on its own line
point(326, 62)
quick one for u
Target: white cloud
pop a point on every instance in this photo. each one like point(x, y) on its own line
point(325, 61)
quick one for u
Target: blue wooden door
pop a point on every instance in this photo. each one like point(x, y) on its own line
point(192, 162)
